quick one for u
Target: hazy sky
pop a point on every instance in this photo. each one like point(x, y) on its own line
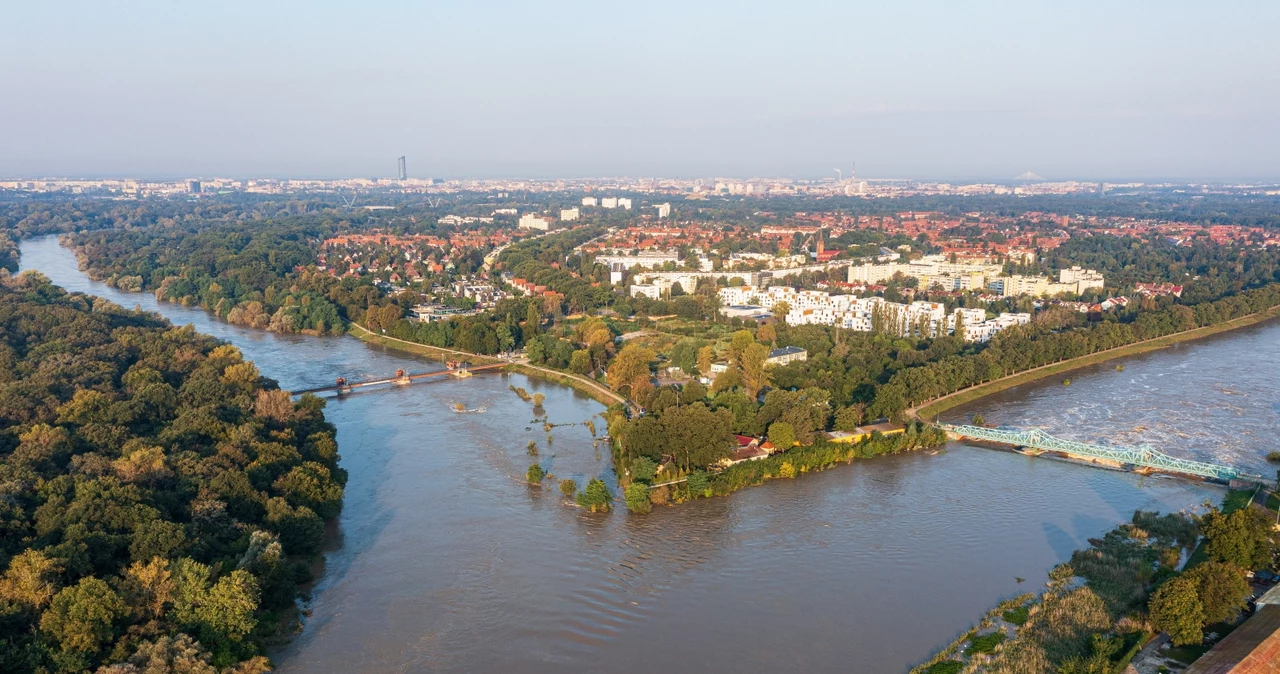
point(949, 89)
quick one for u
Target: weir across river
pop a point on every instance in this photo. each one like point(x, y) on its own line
point(1035, 441)
point(342, 385)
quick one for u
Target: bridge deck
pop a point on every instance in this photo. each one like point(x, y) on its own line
point(1143, 457)
point(406, 379)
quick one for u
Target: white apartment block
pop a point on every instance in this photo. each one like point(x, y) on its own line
point(927, 319)
point(588, 201)
point(567, 214)
point(934, 271)
point(651, 290)
point(983, 331)
point(624, 202)
point(929, 265)
point(664, 210)
point(609, 202)
point(1083, 279)
point(531, 221)
point(646, 259)
point(737, 260)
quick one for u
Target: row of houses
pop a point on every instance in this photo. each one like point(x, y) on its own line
point(521, 286)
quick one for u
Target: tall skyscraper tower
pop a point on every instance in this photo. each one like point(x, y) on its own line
point(403, 174)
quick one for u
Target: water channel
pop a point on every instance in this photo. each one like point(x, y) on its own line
point(443, 560)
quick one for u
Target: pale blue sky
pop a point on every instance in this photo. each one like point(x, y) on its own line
point(954, 90)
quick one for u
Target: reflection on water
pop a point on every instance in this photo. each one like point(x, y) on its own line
point(446, 561)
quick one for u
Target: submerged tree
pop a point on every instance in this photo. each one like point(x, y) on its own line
point(596, 497)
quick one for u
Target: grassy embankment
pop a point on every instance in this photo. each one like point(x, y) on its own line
point(597, 392)
point(421, 349)
point(937, 406)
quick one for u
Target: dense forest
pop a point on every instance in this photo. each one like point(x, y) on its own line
point(8, 253)
point(161, 498)
point(246, 274)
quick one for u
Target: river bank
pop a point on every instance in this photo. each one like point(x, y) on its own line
point(933, 408)
point(439, 562)
point(819, 456)
point(596, 391)
point(434, 352)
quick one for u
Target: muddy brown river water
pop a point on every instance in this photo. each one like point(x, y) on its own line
point(444, 561)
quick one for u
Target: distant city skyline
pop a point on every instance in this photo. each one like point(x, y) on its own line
point(1091, 91)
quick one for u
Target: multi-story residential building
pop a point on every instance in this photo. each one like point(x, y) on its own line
point(1082, 279)
point(664, 210)
point(923, 319)
point(936, 267)
point(589, 201)
point(1017, 284)
point(650, 290)
point(646, 259)
point(786, 354)
point(567, 214)
point(531, 221)
point(484, 294)
point(609, 202)
point(984, 330)
point(935, 271)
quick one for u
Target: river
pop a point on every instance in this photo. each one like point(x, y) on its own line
point(443, 560)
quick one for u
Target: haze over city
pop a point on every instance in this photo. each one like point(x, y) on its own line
point(931, 90)
point(462, 337)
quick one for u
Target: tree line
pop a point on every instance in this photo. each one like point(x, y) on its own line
point(161, 498)
point(1051, 339)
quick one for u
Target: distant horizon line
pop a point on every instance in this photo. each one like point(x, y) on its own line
point(170, 177)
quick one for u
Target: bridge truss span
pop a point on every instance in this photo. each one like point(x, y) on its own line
point(1143, 456)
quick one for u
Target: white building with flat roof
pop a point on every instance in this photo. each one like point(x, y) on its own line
point(567, 214)
point(531, 221)
point(921, 319)
point(651, 290)
point(1082, 279)
point(646, 259)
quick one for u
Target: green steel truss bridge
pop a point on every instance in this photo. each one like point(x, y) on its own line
point(1143, 456)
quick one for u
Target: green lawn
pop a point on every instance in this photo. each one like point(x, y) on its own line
point(986, 643)
point(1236, 499)
point(1017, 616)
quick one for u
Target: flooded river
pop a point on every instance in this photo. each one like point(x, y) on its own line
point(443, 560)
